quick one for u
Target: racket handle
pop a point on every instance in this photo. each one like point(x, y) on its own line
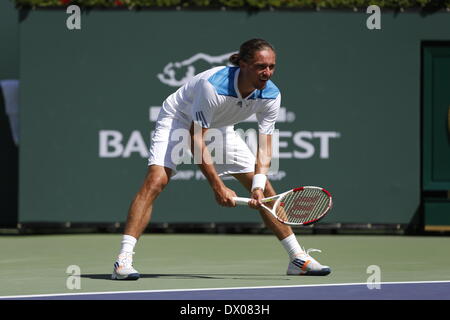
point(241, 201)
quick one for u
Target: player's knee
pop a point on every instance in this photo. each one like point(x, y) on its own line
point(153, 187)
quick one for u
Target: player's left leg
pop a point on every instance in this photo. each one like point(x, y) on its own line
point(300, 262)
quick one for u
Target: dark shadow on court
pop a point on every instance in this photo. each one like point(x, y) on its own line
point(194, 276)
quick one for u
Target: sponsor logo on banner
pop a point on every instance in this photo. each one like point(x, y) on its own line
point(175, 74)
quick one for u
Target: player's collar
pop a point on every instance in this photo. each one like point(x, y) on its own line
point(238, 93)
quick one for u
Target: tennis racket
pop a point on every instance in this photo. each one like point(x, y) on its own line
point(296, 207)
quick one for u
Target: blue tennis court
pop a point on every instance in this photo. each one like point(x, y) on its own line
point(435, 290)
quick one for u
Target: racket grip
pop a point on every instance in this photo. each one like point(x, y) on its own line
point(241, 201)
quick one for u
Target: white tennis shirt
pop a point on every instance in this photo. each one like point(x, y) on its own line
point(212, 100)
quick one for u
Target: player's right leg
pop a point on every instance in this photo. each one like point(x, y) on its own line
point(161, 167)
point(138, 218)
point(140, 210)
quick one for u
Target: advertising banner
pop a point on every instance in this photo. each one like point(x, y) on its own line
point(349, 118)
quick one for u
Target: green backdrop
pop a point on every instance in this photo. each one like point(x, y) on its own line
point(9, 40)
point(358, 87)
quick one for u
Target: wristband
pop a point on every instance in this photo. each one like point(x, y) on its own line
point(259, 181)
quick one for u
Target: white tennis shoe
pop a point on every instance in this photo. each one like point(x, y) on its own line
point(305, 265)
point(123, 268)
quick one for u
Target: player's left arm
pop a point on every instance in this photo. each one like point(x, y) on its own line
point(262, 165)
point(266, 126)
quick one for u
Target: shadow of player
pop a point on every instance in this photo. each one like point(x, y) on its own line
point(193, 276)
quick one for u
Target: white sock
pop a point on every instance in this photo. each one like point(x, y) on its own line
point(292, 246)
point(128, 243)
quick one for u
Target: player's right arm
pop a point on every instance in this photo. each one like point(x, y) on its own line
point(204, 105)
point(202, 157)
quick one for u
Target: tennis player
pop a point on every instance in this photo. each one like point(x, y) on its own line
point(217, 99)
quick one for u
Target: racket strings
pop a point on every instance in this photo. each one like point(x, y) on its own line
point(303, 206)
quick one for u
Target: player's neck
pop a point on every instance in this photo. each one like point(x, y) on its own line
point(245, 87)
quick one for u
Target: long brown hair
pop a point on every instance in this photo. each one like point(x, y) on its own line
point(248, 49)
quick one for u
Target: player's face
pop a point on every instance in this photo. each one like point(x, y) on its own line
point(259, 70)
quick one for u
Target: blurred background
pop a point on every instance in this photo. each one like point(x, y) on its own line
point(365, 110)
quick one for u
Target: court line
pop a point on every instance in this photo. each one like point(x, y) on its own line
point(220, 289)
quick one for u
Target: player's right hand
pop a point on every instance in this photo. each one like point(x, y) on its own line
point(224, 197)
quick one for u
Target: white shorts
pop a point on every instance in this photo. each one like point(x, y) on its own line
point(170, 146)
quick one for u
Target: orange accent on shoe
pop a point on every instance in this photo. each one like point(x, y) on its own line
point(305, 265)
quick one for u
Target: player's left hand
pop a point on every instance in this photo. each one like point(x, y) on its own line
point(257, 195)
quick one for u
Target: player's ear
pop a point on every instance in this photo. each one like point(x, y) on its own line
point(243, 64)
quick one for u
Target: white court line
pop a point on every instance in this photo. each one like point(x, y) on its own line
point(216, 289)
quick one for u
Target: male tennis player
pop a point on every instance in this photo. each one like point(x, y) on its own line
point(218, 98)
